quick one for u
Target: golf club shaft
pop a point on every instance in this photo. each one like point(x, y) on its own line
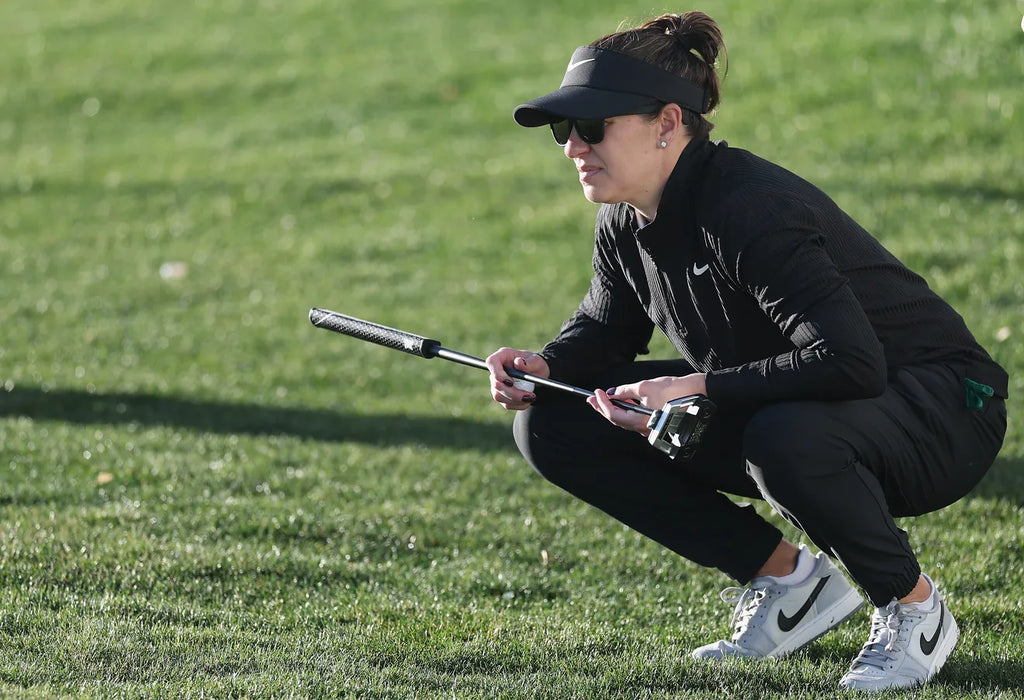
point(469, 360)
point(428, 348)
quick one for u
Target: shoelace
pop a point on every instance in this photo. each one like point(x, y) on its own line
point(747, 601)
point(885, 641)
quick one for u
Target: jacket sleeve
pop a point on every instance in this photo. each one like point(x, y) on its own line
point(836, 354)
point(610, 326)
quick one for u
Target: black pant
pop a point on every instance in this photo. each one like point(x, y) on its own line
point(840, 471)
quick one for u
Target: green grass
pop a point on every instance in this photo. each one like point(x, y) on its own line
point(203, 495)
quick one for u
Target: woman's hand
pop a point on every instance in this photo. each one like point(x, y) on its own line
point(503, 387)
point(652, 393)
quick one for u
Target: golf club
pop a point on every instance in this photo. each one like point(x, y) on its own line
point(678, 425)
point(428, 348)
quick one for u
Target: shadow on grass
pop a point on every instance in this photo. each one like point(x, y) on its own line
point(74, 406)
point(971, 675)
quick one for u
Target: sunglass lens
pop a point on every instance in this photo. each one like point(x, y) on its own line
point(590, 130)
point(561, 130)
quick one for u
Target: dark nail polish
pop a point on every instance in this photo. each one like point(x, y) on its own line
point(611, 392)
point(508, 382)
point(529, 398)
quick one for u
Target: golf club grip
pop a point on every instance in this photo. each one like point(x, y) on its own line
point(374, 333)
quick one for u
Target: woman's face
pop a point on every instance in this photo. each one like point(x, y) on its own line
point(624, 166)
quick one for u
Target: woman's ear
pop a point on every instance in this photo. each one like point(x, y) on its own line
point(670, 123)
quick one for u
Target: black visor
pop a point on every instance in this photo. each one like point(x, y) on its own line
point(599, 84)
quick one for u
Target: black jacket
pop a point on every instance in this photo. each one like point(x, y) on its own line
point(759, 279)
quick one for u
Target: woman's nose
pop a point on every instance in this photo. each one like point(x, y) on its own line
point(575, 145)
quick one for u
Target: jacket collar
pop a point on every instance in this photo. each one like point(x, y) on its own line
point(676, 207)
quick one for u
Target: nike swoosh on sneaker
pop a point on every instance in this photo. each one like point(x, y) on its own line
point(928, 645)
point(787, 623)
point(573, 66)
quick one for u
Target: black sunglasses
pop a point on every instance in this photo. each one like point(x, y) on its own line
point(590, 130)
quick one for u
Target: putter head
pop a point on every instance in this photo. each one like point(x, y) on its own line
point(677, 427)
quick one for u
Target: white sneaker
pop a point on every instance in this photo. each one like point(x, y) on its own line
point(772, 619)
point(908, 645)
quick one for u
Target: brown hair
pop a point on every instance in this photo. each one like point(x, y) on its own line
point(687, 45)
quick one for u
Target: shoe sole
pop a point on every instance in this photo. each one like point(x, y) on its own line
point(840, 611)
